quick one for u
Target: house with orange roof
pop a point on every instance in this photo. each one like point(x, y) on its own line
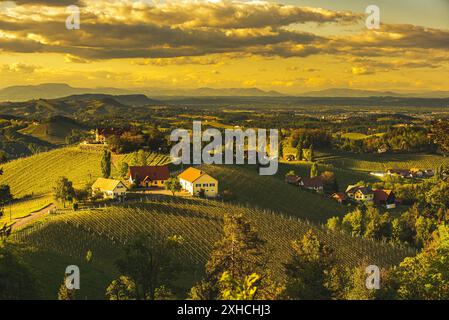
point(197, 182)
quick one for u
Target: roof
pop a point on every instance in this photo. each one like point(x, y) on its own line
point(150, 172)
point(191, 174)
point(354, 189)
point(314, 182)
point(339, 196)
point(106, 184)
point(382, 195)
point(292, 179)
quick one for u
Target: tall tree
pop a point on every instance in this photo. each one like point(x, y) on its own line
point(240, 253)
point(440, 131)
point(311, 153)
point(124, 167)
point(307, 269)
point(426, 276)
point(314, 170)
point(151, 262)
point(63, 190)
point(299, 148)
point(106, 164)
point(173, 185)
point(16, 280)
point(65, 293)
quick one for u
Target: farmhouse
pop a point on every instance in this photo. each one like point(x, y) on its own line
point(315, 183)
point(385, 197)
point(149, 176)
point(360, 194)
point(340, 197)
point(198, 182)
point(101, 135)
point(110, 188)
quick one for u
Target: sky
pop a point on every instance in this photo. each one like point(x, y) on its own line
point(290, 46)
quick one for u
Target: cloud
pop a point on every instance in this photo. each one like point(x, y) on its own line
point(20, 68)
point(176, 32)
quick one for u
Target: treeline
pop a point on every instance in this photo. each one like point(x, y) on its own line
point(414, 227)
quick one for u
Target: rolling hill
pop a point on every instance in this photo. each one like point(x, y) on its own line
point(199, 222)
point(54, 129)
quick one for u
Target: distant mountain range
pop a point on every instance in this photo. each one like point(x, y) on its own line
point(59, 90)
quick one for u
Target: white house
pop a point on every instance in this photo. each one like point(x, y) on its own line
point(110, 188)
point(196, 181)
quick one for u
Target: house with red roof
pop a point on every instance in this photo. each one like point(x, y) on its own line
point(149, 176)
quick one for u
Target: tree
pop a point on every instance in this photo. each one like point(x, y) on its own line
point(291, 173)
point(106, 164)
point(150, 261)
point(65, 293)
point(240, 253)
point(236, 289)
point(307, 269)
point(440, 131)
point(5, 194)
point(311, 153)
point(16, 280)
point(142, 157)
point(124, 167)
point(63, 190)
point(3, 156)
point(314, 170)
point(439, 195)
point(426, 276)
point(299, 148)
point(173, 185)
point(122, 288)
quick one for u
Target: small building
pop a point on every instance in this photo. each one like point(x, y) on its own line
point(384, 197)
point(149, 176)
point(315, 183)
point(197, 182)
point(294, 180)
point(404, 173)
point(340, 197)
point(360, 193)
point(110, 188)
point(101, 135)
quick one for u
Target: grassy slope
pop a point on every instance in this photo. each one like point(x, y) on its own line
point(273, 193)
point(53, 132)
point(199, 222)
point(381, 162)
point(37, 174)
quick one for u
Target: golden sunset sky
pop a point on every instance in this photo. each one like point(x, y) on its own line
point(288, 46)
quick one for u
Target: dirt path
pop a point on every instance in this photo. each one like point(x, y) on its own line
point(33, 216)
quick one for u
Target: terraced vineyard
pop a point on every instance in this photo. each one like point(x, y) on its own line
point(382, 162)
point(36, 174)
point(273, 193)
point(104, 231)
point(153, 159)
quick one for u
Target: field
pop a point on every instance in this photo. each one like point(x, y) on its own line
point(36, 175)
point(358, 136)
point(273, 193)
point(64, 239)
point(24, 208)
point(382, 162)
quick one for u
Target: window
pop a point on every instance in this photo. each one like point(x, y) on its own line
point(198, 185)
point(211, 184)
point(205, 185)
